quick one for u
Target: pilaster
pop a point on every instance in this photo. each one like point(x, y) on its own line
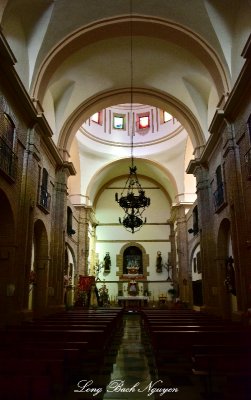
point(184, 275)
point(86, 222)
point(235, 198)
point(58, 230)
point(207, 242)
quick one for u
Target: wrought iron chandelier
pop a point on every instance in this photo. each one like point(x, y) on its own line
point(132, 199)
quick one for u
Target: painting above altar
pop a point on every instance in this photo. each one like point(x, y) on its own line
point(133, 272)
point(132, 264)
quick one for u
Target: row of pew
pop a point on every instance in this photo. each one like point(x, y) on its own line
point(43, 358)
point(204, 346)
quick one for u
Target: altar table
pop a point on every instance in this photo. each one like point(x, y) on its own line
point(132, 301)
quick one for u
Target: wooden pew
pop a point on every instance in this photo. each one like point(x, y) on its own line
point(230, 365)
point(187, 338)
point(48, 350)
point(17, 387)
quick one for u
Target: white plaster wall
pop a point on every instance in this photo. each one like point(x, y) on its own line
point(153, 237)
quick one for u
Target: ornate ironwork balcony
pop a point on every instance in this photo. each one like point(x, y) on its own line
point(219, 196)
point(44, 200)
point(8, 160)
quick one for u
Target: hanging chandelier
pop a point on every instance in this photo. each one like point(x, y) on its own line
point(132, 199)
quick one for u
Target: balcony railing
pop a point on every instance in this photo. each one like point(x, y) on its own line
point(219, 197)
point(8, 160)
point(44, 200)
point(248, 164)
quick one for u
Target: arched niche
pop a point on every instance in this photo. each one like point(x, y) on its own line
point(139, 251)
point(224, 251)
point(40, 267)
point(8, 270)
point(196, 272)
point(70, 265)
point(132, 260)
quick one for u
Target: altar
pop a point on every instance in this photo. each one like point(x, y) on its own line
point(133, 301)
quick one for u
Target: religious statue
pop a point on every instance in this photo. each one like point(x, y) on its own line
point(133, 288)
point(132, 268)
point(159, 262)
point(107, 262)
point(93, 296)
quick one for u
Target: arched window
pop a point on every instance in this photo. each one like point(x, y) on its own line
point(70, 231)
point(219, 193)
point(7, 129)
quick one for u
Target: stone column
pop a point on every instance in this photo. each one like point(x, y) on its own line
point(207, 243)
point(58, 229)
point(172, 254)
point(28, 195)
point(85, 220)
point(184, 276)
point(235, 198)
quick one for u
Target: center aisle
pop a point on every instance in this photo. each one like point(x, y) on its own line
point(133, 371)
point(129, 370)
point(134, 374)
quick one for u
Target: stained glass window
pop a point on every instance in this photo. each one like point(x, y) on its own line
point(96, 117)
point(167, 116)
point(144, 122)
point(118, 122)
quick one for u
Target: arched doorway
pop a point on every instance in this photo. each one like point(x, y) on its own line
point(69, 276)
point(40, 268)
point(226, 268)
point(8, 273)
point(197, 277)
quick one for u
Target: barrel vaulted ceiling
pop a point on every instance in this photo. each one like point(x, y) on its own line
point(77, 57)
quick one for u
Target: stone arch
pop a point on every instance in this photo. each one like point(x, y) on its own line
point(94, 197)
point(122, 26)
point(145, 258)
point(106, 99)
point(148, 26)
point(41, 267)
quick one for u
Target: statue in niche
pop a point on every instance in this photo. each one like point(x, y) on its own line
point(107, 262)
point(93, 297)
point(159, 262)
point(132, 267)
point(132, 288)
